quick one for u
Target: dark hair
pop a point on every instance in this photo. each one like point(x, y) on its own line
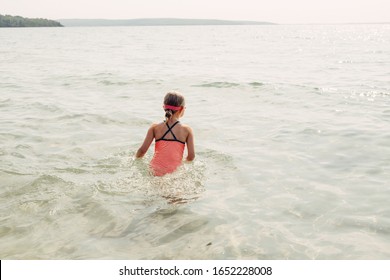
point(173, 99)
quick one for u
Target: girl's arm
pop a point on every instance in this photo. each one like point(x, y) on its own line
point(190, 145)
point(145, 146)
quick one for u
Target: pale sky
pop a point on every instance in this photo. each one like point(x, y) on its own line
point(278, 11)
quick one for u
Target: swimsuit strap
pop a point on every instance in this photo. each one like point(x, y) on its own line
point(169, 130)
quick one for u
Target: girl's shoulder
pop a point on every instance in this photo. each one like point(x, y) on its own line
point(154, 127)
point(155, 124)
point(187, 127)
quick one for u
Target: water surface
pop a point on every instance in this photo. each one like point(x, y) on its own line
point(292, 131)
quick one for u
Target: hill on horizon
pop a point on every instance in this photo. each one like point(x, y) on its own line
point(18, 21)
point(155, 22)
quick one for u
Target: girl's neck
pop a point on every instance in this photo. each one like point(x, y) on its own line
point(172, 120)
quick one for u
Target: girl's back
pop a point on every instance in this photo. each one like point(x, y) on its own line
point(179, 130)
point(170, 137)
point(169, 147)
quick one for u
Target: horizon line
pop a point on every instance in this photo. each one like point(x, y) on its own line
point(229, 20)
point(237, 20)
point(214, 19)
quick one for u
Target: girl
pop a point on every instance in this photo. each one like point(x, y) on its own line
point(170, 138)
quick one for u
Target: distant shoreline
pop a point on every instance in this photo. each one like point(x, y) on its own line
point(155, 22)
point(8, 21)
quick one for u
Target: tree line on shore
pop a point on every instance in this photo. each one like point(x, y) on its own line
point(18, 21)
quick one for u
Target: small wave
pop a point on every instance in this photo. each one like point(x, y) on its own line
point(17, 155)
point(36, 187)
point(124, 82)
point(9, 85)
point(90, 118)
point(104, 74)
point(70, 116)
point(11, 136)
point(71, 170)
point(11, 172)
point(46, 107)
point(218, 85)
point(217, 158)
point(105, 79)
point(104, 119)
point(386, 112)
point(47, 180)
point(113, 83)
point(5, 102)
point(145, 82)
point(256, 84)
point(5, 230)
point(23, 147)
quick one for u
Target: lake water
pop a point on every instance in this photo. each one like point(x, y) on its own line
point(292, 135)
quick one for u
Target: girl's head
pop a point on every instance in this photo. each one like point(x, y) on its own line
point(173, 103)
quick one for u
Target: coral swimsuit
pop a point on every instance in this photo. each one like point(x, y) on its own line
point(168, 153)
